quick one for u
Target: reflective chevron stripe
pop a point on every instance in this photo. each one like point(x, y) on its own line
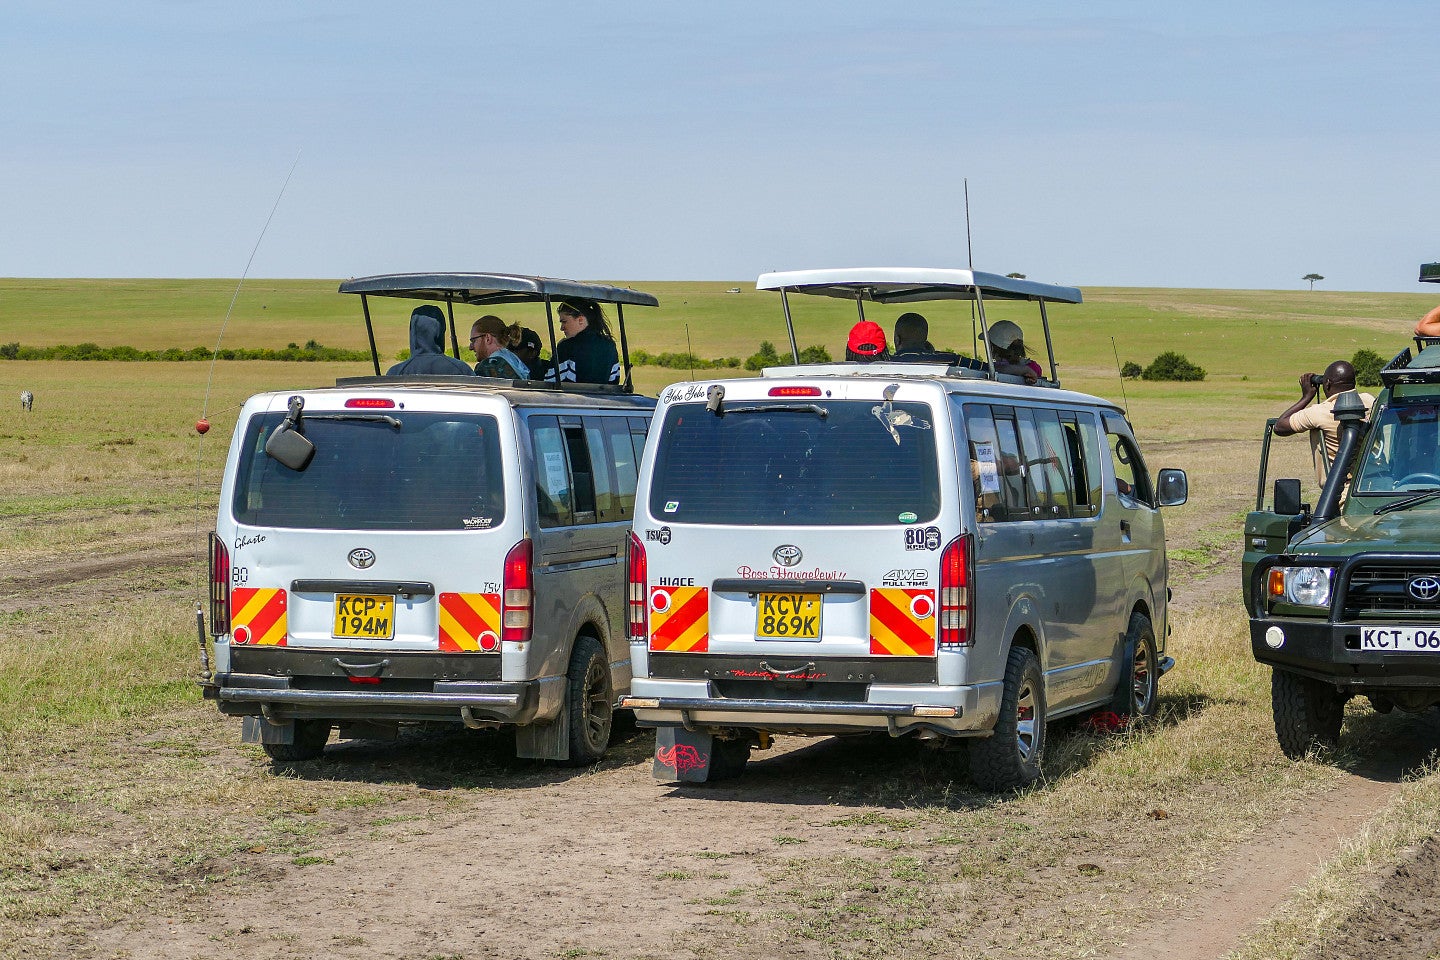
point(680, 619)
point(259, 616)
point(902, 622)
point(470, 621)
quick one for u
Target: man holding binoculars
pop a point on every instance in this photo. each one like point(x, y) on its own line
point(1320, 420)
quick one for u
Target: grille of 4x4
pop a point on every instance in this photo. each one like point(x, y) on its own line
point(1380, 591)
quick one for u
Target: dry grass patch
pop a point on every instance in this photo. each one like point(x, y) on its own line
point(1122, 818)
point(1311, 919)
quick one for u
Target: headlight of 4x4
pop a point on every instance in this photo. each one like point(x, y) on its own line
point(1303, 586)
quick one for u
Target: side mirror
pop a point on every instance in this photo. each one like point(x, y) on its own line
point(1287, 498)
point(1172, 488)
point(287, 444)
point(290, 447)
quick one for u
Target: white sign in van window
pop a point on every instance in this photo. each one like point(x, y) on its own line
point(555, 471)
point(985, 464)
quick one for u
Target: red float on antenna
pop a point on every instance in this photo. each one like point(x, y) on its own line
point(202, 425)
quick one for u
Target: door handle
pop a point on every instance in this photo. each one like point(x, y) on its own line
point(1125, 530)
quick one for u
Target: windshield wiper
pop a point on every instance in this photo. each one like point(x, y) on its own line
point(395, 422)
point(1419, 498)
point(815, 408)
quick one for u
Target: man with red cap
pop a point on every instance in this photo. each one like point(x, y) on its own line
point(866, 343)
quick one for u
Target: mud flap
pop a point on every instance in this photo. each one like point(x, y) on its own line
point(544, 741)
point(260, 730)
point(682, 756)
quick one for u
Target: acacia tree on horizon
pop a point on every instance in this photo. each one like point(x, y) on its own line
point(1312, 277)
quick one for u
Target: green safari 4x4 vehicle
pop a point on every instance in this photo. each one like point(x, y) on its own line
point(1344, 600)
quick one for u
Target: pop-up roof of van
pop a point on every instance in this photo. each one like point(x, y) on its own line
point(475, 289)
point(478, 288)
point(913, 285)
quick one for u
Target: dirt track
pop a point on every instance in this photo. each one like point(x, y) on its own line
point(540, 862)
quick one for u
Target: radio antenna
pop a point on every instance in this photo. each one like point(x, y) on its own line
point(1120, 372)
point(689, 353)
point(970, 259)
point(969, 248)
point(202, 426)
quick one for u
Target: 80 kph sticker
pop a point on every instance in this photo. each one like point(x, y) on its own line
point(1403, 639)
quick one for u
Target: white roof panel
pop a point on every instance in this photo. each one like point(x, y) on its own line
point(913, 285)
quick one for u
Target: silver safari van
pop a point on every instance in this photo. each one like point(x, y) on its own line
point(405, 549)
point(933, 548)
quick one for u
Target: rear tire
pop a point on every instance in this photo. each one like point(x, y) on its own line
point(310, 739)
point(590, 700)
point(1135, 697)
point(1010, 757)
point(1308, 713)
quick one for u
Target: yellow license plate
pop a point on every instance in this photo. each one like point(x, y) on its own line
point(363, 616)
point(787, 616)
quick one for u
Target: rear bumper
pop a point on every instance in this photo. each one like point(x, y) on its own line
point(947, 710)
point(500, 702)
point(286, 684)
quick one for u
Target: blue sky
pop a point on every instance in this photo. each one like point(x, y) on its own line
point(1105, 143)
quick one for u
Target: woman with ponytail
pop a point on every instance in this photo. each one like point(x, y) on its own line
point(491, 340)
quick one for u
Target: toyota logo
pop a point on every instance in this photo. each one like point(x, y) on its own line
point(787, 555)
point(362, 558)
point(1424, 589)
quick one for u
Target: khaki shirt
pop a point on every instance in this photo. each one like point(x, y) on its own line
point(1324, 429)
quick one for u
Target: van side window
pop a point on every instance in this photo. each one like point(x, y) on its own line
point(552, 473)
point(1044, 474)
point(1055, 467)
point(994, 467)
point(1084, 449)
point(606, 510)
point(1011, 459)
point(1131, 481)
point(639, 428)
point(623, 460)
point(582, 471)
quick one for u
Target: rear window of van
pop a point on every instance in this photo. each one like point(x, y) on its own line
point(436, 471)
point(836, 462)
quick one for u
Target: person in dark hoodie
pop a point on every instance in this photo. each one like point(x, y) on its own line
point(427, 347)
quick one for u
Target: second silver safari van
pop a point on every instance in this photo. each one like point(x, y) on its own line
point(398, 550)
point(927, 549)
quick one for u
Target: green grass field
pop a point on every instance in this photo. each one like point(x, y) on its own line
point(100, 720)
point(1252, 344)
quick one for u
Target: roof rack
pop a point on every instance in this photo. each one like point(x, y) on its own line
point(1423, 367)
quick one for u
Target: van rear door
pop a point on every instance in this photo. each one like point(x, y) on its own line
point(392, 537)
point(799, 538)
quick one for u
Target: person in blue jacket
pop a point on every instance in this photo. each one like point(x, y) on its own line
point(427, 347)
point(588, 353)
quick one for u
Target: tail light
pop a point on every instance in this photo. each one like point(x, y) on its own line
point(219, 586)
point(517, 605)
point(957, 566)
point(637, 585)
